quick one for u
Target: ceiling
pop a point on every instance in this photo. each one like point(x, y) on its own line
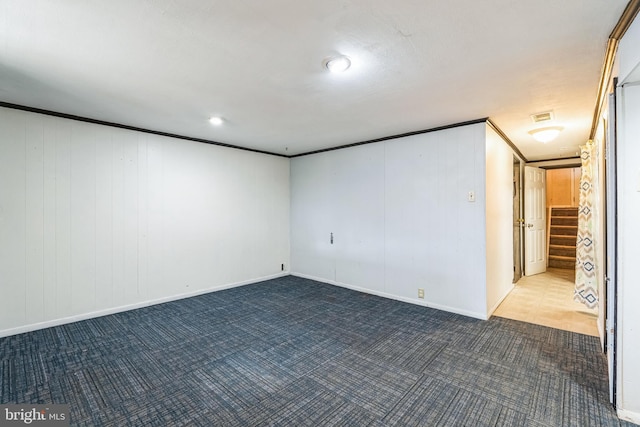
point(168, 65)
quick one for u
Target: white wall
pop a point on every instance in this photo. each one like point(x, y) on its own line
point(339, 192)
point(400, 217)
point(628, 253)
point(628, 181)
point(629, 55)
point(96, 219)
point(499, 189)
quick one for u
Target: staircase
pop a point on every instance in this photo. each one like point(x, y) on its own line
point(563, 229)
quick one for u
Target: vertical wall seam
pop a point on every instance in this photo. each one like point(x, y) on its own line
point(138, 215)
point(384, 216)
point(146, 213)
point(26, 157)
point(123, 231)
point(44, 310)
point(54, 255)
point(111, 150)
point(95, 222)
point(70, 144)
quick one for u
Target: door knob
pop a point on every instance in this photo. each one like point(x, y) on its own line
point(529, 225)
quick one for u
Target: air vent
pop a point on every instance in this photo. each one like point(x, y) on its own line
point(542, 117)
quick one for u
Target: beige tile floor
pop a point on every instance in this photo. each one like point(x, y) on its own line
point(547, 299)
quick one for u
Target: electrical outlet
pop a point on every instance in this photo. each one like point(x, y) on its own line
point(471, 196)
point(281, 267)
point(421, 293)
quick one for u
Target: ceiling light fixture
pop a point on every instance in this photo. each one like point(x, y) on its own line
point(337, 64)
point(547, 134)
point(216, 121)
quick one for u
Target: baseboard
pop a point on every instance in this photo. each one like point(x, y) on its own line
point(119, 309)
point(394, 297)
point(632, 417)
point(496, 305)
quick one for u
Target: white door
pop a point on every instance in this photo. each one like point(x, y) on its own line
point(535, 252)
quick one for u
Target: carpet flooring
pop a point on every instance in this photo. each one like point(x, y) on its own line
point(292, 351)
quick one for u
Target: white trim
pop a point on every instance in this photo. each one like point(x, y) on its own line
point(394, 297)
point(490, 312)
point(631, 416)
point(105, 312)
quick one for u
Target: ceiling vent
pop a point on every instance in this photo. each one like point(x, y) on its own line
point(542, 117)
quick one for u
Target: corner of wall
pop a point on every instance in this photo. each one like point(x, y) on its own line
point(499, 219)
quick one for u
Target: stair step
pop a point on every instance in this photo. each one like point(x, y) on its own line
point(564, 212)
point(566, 264)
point(565, 240)
point(564, 220)
point(560, 251)
point(563, 258)
point(564, 230)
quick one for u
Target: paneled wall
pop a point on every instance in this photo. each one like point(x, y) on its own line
point(563, 187)
point(500, 196)
point(339, 193)
point(400, 216)
point(628, 182)
point(96, 219)
point(628, 327)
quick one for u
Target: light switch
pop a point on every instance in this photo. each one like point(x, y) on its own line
point(471, 196)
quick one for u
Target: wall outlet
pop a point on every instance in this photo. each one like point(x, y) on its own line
point(471, 196)
point(421, 293)
point(281, 267)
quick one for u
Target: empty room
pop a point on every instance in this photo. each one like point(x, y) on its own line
point(338, 213)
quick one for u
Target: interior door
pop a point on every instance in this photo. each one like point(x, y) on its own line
point(610, 296)
point(518, 221)
point(535, 261)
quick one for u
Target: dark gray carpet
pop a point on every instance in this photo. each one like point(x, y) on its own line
point(296, 352)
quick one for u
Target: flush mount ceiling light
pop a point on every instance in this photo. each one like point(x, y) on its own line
point(216, 121)
point(547, 134)
point(337, 64)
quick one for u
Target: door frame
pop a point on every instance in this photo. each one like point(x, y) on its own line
point(610, 287)
point(518, 220)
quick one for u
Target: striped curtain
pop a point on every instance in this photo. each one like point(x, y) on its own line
point(586, 290)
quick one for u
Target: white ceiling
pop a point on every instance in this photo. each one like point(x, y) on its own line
point(168, 65)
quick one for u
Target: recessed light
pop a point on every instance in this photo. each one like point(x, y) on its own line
point(216, 121)
point(338, 64)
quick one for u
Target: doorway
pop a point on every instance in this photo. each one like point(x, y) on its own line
point(562, 201)
point(546, 298)
point(518, 221)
